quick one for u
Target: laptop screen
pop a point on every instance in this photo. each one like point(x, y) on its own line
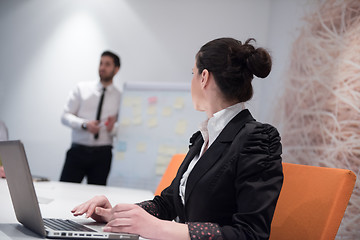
point(21, 186)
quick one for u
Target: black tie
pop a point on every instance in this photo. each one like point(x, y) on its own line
point(98, 113)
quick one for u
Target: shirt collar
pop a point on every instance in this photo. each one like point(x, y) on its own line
point(212, 127)
point(99, 86)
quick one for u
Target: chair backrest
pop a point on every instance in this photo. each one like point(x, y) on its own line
point(312, 202)
point(170, 172)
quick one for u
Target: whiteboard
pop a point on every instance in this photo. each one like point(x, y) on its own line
point(156, 121)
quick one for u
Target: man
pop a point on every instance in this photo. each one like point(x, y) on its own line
point(91, 112)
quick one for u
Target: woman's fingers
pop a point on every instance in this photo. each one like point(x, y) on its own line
point(126, 218)
point(80, 209)
point(89, 207)
point(90, 210)
point(105, 214)
point(123, 207)
point(119, 225)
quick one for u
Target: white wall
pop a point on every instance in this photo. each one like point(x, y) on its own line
point(48, 46)
point(286, 20)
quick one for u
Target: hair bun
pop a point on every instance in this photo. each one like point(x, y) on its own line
point(234, 66)
point(259, 62)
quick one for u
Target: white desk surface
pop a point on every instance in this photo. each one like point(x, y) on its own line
point(56, 199)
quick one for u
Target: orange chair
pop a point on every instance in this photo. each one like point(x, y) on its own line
point(312, 202)
point(170, 172)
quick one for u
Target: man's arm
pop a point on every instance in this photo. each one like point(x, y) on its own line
point(69, 116)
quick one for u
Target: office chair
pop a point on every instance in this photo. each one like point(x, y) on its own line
point(170, 172)
point(312, 202)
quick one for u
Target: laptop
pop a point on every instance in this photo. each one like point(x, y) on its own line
point(26, 206)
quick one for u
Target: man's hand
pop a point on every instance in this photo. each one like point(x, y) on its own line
point(110, 122)
point(93, 126)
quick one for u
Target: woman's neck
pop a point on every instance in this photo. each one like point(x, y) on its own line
point(216, 106)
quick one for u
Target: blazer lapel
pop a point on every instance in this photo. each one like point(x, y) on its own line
point(196, 142)
point(212, 155)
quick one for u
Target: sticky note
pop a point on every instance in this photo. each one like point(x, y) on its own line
point(136, 101)
point(151, 110)
point(163, 160)
point(166, 111)
point(137, 120)
point(179, 103)
point(180, 127)
point(137, 111)
point(159, 170)
point(125, 121)
point(141, 147)
point(152, 100)
point(127, 101)
point(166, 150)
point(119, 155)
point(120, 146)
point(152, 122)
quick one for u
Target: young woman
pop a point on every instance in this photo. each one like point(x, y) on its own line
point(229, 182)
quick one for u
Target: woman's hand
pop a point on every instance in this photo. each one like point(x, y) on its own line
point(131, 218)
point(89, 207)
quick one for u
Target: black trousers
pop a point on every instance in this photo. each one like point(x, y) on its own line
point(81, 161)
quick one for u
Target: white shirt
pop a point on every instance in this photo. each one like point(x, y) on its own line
point(210, 130)
point(81, 107)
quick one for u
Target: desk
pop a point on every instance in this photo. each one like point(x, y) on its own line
point(56, 199)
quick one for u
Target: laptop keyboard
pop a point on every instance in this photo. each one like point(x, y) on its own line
point(65, 225)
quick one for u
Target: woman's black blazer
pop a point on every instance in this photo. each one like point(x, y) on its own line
point(235, 184)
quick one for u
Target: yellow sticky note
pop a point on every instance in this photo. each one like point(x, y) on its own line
point(119, 156)
point(136, 102)
point(159, 170)
point(137, 120)
point(137, 111)
point(166, 150)
point(183, 149)
point(151, 110)
point(170, 150)
point(141, 147)
point(162, 149)
point(162, 160)
point(179, 103)
point(153, 122)
point(125, 121)
point(127, 101)
point(166, 111)
point(181, 126)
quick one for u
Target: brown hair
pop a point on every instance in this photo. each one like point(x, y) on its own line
point(234, 65)
point(113, 56)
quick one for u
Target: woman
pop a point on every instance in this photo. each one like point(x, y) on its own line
point(229, 182)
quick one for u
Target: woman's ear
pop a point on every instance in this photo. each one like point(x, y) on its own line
point(204, 78)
